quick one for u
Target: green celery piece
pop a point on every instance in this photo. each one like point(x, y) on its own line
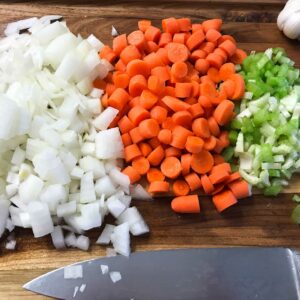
point(296, 198)
point(296, 215)
point(260, 117)
point(280, 50)
point(276, 69)
point(228, 154)
point(292, 75)
point(283, 71)
point(262, 62)
point(233, 134)
point(255, 89)
point(269, 74)
point(272, 190)
point(236, 124)
point(286, 173)
point(274, 173)
point(266, 154)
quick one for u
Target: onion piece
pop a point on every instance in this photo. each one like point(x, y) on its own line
point(73, 272)
point(104, 269)
point(115, 276)
point(70, 240)
point(58, 238)
point(83, 243)
point(104, 238)
point(11, 245)
point(139, 193)
point(121, 240)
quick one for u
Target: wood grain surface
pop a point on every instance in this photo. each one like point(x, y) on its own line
point(257, 221)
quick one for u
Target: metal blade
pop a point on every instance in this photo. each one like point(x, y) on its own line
point(224, 273)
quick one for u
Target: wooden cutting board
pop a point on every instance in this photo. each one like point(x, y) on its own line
point(258, 221)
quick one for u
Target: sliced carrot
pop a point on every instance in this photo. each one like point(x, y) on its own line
point(99, 83)
point(158, 187)
point(233, 177)
point(238, 57)
point(223, 200)
point(154, 142)
point(141, 164)
point(221, 167)
point(180, 188)
point(214, 60)
point(131, 152)
point(151, 47)
point(184, 24)
point(137, 66)
point(130, 53)
point(207, 47)
point(218, 188)
point(170, 91)
point(226, 71)
point(121, 80)
point(120, 66)
point(219, 147)
point(171, 167)
point(126, 139)
point(218, 159)
point(125, 125)
point(224, 139)
point(177, 52)
point(212, 35)
point(107, 53)
point(210, 143)
point(200, 128)
point(193, 181)
point(159, 114)
point(195, 88)
point(206, 79)
point(156, 85)
point(224, 112)
point(110, 88)
point(202, 66)
point(229, 88)
point(134, 102)
point(214, 75)
point(179, 69)
point(196, 54)
point(213, 126)
point(156, 156)
point(145, 149)
point(144, 25)
point(194, 144)
point(239, 86)
point(165, 38)
point(152, 34)
point(179, 136)
point(196, 27)
point(137, 84)
point(229, 47)
point(172, 151)
point(153, 60)
point(212, 24)
point(186, 163)
point(205, 101)
point(226, 37)
point(183, 89)
point(179, 38)
point(208, 89)
point(133, 175)
point(240, 189)
point(104, 100)
point(119, 43)
point(218, 177)
point(196, 110)
point(165, 136)
point(175, 104)
point(168, 123)
point(155, 175)
point(221, 53)
point(149, 128)
point(195, 40)
point(118, 98)
point(148, 99)
point(191, 101)
point(202, 162)
point(186, 204)
point(137, 38)
point(162, 53)
point(183, 118)
point(206, 185)
point(170, 25)
point(138, 114)
point(161, 72)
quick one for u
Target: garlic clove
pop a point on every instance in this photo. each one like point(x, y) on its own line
point(291, 27)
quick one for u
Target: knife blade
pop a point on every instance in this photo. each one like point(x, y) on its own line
point(214, 273)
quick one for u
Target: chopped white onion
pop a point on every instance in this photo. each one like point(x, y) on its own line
point(103, 121)
point(119, 178)
point(4, 209)
point(58, 238)
point(104, 269)
point(121, 240)
point(11, 245)
point(139, 193)
point(83, 243)
point(87, 189)
point(115, 206)
point(82, 288)
point(73, 272)
point(66, 209)
point(115, 276)
point(104, 238)
point(70, 240)
point(114, 31)
point(110, 252)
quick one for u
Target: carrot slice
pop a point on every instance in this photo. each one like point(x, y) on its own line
point(133, 175)
point(206, 185)
point(213, 126)
point(218, 159)
point(212, 24)
point(162, 53)
point(134, 102)
point(214, 60)
point(149, 128)
point(195, 40)
point(194, 144)
point(175, 104)
point(152, 34)
point(196, 27)
point(171, 167)
point(159, 114)
point(159, 187)
point(172, 151)
point(119, 43)
point(196, 54)
point(161, 72)
point(156, 156)
point(148, 99)
point(141, 164)
point(202, 66)
point(110, 88)
point(145, 149)
point(239, 86)
point(154, 142)
point(183, 118)
point(179, 38)
point(170, 25)
point(125, 125)
point(144, 25)
point(120, 66)
point(224, 139)
point(218, 188)
point(196, 110)
point(229, 47)
point(229, 87)
point(202, 162)
point(137, 114)
point(131, 152)
point(200, 128)
point(165, 136)
point(126, 139)
point(214, 75)
point(177, 52)
point(184, 24)
point(183, 89)
point(218, 177)
point(186, 163)
point(137, 66)
point(121, 80)
point(99, 84)
point(224, 112)
point(210, 143)
point(221, 167)
point(238, 57)
point(212, 35)
point(156, 85)
point(179, 69)
point(180, 188)
point(223, 200)
point(165, 38)
point(130, 53)
point(226, 71)
point(240, 189)
point(153, 60)
point(179, 136)
point(205, 101)
point(137, 84)
point(168, 124)
point(137, 38)
point(155, 175)
point(233, 176)
point(118, 99)
point(186, 204)
point(193, 181)
point(221, 53)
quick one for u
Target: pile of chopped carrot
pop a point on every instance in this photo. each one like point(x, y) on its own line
point(175, 88)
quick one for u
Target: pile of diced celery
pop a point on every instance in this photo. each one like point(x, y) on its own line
point(265, 137)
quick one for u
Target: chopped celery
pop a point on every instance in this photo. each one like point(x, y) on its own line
point(272, 190)
point(274, 173)
point(296, 198)
point(296, 215)
point(233, 134)
point(228, 154)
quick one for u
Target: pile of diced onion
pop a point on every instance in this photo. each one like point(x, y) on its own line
point(59, 162)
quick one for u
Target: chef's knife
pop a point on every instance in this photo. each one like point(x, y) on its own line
point(213, 274)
